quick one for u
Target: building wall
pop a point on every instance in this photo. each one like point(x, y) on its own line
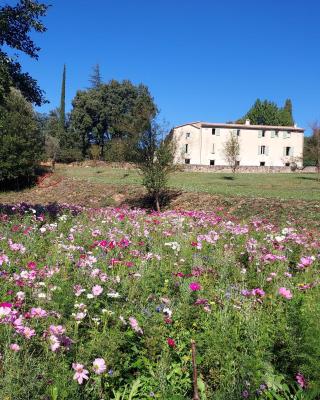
point(203, 146)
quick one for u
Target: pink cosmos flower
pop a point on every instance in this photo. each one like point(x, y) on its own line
point(28, 332)
point(99, 366)
point(97, 290)
point(195, 286)
point(135, 325)
point(285, 293)
point(3, 259)
point(81, 373)
point(38, 313)
point(14, 347)
point(54, 343)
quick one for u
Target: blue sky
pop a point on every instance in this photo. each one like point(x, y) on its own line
point(202, 60)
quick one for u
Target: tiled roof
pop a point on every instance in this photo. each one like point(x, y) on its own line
point(199, 124)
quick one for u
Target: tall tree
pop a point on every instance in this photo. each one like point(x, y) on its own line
point(312, 148)
point(21, 143)
point(287, 112)
point(95, 78)
point(16, 24)
point(117, 110)
point(62, 110)
point(268, 113)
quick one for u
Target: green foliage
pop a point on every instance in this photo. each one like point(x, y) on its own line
point(21, 144)
point(311, 152)
point(154, 157)
point(16, 24)
point(268, 113)
point(62, 110)
point(116, 110)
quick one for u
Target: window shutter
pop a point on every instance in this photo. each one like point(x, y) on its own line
point(267, 151)
point(259, 150)
point(272, 134)
point(291, 151)
point(284, 152)
point(217, 131)
point(284, 134)
point(259, 134)
point(235, 132)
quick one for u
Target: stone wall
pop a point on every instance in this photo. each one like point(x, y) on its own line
point(243, 169)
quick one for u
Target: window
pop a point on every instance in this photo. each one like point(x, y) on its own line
point(187, 135)
point(262, 150)
point(237, 162)
point(212, 150)
point(276, 134)
point(187, 161)
point(263, 133)
point(288, 135)
point(211, 162)
point(186, 149)
point(288, 151)
point(213, 131)
point(262, 163)
point(287, 164)
point(238, 132)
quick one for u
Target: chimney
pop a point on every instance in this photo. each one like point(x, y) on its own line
point(247, 122)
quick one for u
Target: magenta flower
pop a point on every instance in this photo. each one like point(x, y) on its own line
point(194, 286)
point(99, 366)
point(301, 380)
point(285, 293)
point(81, 373)
point(171, 342)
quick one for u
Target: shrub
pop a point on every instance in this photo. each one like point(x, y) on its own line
point(21, 144)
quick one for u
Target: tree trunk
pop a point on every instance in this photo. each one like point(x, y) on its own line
point(157, 202)
point(195, 373)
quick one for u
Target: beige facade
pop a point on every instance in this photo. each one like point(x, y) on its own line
point(202, 143)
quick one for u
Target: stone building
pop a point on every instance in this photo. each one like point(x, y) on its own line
point(202, 143)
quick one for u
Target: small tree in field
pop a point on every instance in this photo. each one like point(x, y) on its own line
point(231, 151)
point(154, 157)
point(312, 148)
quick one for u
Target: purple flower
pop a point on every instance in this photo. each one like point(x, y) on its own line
point(195, 286)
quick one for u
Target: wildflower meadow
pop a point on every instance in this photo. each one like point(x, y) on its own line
point(104, 304)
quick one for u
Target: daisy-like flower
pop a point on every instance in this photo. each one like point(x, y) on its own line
point(285, 293)
point(99, 366)
point(194, 286)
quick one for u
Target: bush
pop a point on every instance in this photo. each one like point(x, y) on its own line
point(21, 143)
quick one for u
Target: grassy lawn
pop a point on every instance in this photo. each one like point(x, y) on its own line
point(284, 186)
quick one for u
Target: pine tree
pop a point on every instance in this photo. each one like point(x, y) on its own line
point(95, 78)
point(62, 110)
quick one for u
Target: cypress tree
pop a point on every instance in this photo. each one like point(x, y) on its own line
point(288, 109)
point(62, 110)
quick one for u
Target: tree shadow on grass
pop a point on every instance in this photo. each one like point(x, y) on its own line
point(147, 202)
point(228, 178)
point(308, 178)
point(24, 182)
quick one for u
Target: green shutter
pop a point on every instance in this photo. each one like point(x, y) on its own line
point(267, 151)
point(284, 152)
point(284, 134)
point(259, 151)
point(291, 151)
point(259, 134)
point(272, 134)
point(217, 131)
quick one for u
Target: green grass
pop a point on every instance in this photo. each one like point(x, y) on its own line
point(285, 186)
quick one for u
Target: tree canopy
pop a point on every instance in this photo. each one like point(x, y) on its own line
point(16, 24)
point(268, 113)
point(114, 110)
